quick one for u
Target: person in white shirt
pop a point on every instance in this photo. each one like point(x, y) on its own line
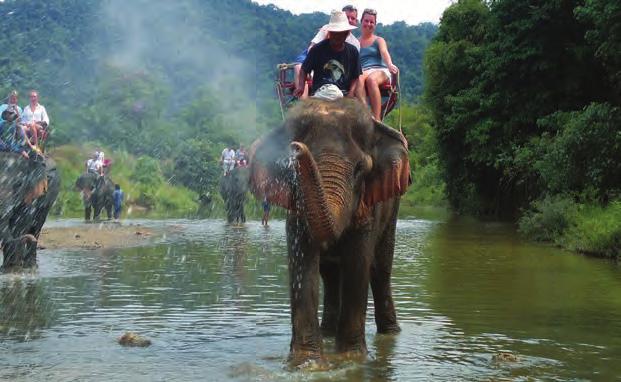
point(34, 119)
point(228, 160)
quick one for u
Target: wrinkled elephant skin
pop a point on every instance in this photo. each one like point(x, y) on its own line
point(341, 176)
point(28, 190)
point(233, 189)
point(97, 193)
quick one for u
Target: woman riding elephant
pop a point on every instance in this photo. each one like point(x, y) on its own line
point(341, 175)
point(27, 192)
point(97, 193)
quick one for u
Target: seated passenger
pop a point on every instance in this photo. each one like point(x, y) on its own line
point(9, 133)
point(99, 157)
point(335, 63)
point(376, 63)
point(352, 17)
point(11, 104)
point(228, 160)
point(93, 165)
point(241, 156)
point(34, 120)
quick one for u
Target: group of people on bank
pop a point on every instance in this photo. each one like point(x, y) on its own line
point(232, 158)
point(24, 130)
point(343, 65)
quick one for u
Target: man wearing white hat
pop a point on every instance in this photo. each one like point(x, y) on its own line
point(334, 62)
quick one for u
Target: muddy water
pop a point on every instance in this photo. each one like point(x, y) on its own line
point(214, 302)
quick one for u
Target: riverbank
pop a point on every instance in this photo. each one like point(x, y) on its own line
point(98, 236)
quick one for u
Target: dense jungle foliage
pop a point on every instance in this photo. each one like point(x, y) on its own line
point(520, 115)
point(526, 98)
point(176, 81)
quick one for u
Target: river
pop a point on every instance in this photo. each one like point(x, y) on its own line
point(214, 302)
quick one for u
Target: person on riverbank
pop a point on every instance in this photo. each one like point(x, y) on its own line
point(266, 212)
point(117, 197)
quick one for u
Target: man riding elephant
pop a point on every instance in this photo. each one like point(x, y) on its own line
point(27, 192)
point(97, 193)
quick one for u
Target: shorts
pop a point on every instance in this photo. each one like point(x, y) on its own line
point(378, 68)
point(329, 92)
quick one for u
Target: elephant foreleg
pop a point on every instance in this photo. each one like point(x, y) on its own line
point(109, 210)
point(304, 294)
point(385, 314)
point(354, 273)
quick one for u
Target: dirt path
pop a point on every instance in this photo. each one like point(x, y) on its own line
point(97, 236)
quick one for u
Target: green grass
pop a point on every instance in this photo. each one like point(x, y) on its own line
point(165, 200)
point(585, 228)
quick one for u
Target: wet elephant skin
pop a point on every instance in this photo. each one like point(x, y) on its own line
point(340, 174)
point(27, 192)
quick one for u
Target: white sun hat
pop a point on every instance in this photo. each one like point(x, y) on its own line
point(338, 22)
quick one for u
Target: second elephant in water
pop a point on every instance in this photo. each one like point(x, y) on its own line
point(341, 175)
point(233, 189)
point(97, 194)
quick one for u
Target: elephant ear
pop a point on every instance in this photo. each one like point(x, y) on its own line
point(269, 161)
point(390, 175)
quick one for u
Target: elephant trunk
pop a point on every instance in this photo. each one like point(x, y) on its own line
point(324, 190)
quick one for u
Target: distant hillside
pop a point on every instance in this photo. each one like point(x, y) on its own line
point(173, 80)
point(60, 46)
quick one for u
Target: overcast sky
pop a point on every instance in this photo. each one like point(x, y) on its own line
point(388, 11)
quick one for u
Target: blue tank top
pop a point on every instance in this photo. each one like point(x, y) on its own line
point(370, 57)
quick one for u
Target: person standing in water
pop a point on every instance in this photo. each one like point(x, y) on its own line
point(266, 211)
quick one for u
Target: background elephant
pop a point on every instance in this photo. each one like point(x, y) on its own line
point(233, 189)
point(96, 194)
point(341, 175)
point(28, 189)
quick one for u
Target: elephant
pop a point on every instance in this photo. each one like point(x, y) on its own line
point(96, 194)
point(340, 174)
point(28, 189)
point(233, 189)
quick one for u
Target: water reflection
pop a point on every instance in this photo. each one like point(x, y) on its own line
point(214, 301)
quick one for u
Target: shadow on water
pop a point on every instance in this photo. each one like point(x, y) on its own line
point(213, 300)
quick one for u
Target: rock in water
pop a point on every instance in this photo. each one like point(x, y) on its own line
point(133, 339)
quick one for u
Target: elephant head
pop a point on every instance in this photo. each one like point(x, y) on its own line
point(331, 162)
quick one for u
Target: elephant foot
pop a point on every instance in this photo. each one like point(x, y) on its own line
point(352, 347)
point(305, 359)
point(388, 328)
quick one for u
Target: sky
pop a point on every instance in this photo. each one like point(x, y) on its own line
point(388, 11)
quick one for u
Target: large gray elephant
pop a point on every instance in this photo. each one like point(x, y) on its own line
point(340, 174)
point(28, 189)
point(97, 194)
point(233, 189)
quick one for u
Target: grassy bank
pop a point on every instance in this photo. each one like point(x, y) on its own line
point(585, 228)
point(147, 193)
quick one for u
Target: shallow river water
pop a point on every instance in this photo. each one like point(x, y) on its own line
point(213, 300)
